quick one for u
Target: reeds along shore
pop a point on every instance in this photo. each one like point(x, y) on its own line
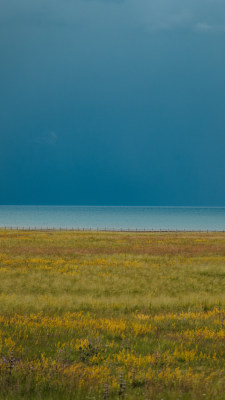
point(102, 315)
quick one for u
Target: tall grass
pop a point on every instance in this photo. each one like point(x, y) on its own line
point(92, 315)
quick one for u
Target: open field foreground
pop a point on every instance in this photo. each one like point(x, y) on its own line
point(91, 315)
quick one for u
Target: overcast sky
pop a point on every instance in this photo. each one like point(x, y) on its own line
point(112, 102)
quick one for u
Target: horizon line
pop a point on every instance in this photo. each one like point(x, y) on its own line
point(103, 206)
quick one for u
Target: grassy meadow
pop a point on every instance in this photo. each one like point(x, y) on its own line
point(100, 315)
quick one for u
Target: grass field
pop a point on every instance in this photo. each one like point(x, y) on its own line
point(91, 315)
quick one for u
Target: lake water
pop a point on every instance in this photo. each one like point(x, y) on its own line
point(149, 218)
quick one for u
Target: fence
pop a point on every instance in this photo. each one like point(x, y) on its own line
point(77, 229)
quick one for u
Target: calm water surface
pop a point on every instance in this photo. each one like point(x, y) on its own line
point(171, 218)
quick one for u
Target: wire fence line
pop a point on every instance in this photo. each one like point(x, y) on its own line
point(90, 229)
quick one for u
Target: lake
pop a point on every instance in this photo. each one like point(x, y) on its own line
point(141, 218)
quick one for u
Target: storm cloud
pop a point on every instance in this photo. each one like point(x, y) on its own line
point(112, 102)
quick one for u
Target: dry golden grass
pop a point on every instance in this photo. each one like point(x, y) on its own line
point(93, 315)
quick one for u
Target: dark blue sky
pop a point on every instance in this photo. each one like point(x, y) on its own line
point(112, 102)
